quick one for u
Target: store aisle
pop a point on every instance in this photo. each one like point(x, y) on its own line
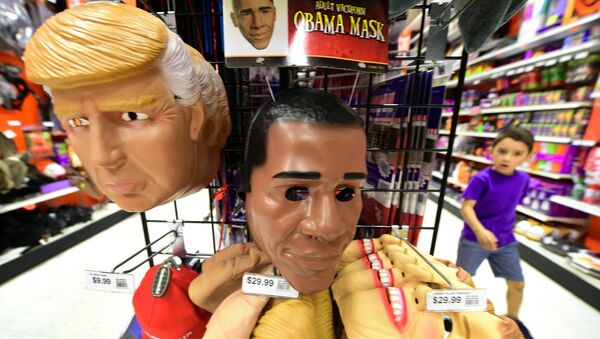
point(549, 310)
point(50, 301)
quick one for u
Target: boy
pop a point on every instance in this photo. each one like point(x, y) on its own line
point(489, 205)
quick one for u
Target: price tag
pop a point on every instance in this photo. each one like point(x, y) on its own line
point(456, 300)
point(109, 282)
point(269, 285)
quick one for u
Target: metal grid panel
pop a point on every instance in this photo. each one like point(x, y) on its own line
point(194, 17)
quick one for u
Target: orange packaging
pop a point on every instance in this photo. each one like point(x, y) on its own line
point(592, 131)
point(577, 9)
point(592, 238)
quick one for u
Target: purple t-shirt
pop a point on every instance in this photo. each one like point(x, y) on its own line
point(497, 197)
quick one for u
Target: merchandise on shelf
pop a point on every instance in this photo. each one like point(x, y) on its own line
point(583, 70)
point(548, 157)
point(577, 9)
point(530, 99)
point(39, 143)
point(61, 149)
point(551, 157)
point(564, 123)
point(532, 20)
point(563, 240)
point(592, 238)
point(570, 123)
point(586, 262)
point(390, 130)
point(479, 68)
point(578, 73)
point(470, 98)
point(538, 198)
point(32, 228)
point(591, 193)
point(536, 232)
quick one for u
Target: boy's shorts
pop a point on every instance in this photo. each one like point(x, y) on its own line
point(504, 261)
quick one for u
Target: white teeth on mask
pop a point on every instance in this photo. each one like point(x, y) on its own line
point(368, 245)
point(376, 265)
point(385, 278)
point(396, 302)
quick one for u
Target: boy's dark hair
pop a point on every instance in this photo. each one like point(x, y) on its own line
point(296, 104)
point(517, 134)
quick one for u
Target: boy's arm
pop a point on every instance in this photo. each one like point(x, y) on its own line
point(485, 238)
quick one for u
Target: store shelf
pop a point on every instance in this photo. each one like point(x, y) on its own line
point(36, 199)
point(546, 218)
point(475, 158)
point(452, 181)
point(522, 209)
point(549, 107)
point(489, 135)
point(584, 143)
point(438, 175)
point(483, 160)
point(492, 135)
point(523, 65)
point(16, 261)
point(540, 40)
point(461, 113)
point(558, 140)
point(546, 174)
point(576, 204)
point(558, 269)
point(448, 200)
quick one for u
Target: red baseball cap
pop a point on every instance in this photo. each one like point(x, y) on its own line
point(172, 315)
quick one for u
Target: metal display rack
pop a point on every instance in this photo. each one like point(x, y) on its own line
point(189, 19)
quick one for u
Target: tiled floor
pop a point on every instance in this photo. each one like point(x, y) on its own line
point(50, 301)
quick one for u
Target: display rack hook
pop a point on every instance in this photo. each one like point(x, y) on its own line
point(171, 242)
